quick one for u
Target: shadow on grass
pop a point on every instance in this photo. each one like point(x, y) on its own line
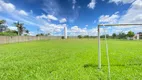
point(123, 65)
point(90, 65)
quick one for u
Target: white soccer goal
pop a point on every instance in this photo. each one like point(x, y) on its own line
point(99, 43)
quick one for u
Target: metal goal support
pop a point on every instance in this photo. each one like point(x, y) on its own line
point(99, 43)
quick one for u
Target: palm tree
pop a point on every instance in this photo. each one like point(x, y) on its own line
point(20, 27)
point(2, 26)
point(2, 22)
point(27, 31)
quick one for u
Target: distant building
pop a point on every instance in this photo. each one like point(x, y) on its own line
point(140, 35)
point(137, 36)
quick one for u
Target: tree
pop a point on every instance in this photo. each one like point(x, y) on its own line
point(114, 35)
point(12, 31)
point(103, 36)
point(2, 26)
point(63, 37)
point(2, 22)
point(122, 35)
point(79, 36)
point(41, 34)
point(130, 34)
point(20, 28)
point(27, 31)
point(48, 34)
point(86, 36)
point(9, 33)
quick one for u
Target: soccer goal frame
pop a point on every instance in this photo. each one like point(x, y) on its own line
point(99, 42)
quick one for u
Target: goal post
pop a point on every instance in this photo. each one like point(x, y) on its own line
point(99, 43)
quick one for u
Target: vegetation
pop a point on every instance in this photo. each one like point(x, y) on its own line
point(9, 33)
point(114, 35)
point(80, 36)
point(130, 34)
point(2, 22)
point(70, 60)
point(2, 26)
point(103, 36)
point(86, 36)
point(121, 35)
point(63, 37)
point(41, 34)
point(20, 28)
point(4, 31)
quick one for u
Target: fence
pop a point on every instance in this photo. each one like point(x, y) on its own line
point(14, 39)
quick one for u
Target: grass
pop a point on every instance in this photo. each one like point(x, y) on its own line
point(70, 60)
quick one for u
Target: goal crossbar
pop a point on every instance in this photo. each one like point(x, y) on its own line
point(118, 24)
point(99, 44)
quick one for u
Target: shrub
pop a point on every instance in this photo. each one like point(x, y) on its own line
point(63, 37)
point(79, 36)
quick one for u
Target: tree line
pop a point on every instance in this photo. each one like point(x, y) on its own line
point(120, 35)
point(5, 31)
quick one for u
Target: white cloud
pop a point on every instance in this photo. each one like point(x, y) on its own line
point(73, 2)
point(75, 31)
point(133, 14)
point(12, 28)
point(137, 4)
point(31, 11)
point(63, 20)
point(51, 7)
point(22, 12)
point(92, 4)
point(49, 17)
point(121, 1)
point(41, 17)
point(93, 32)
point(7, 6)
point(31, 33)
point(109, 18)
point(10, 8)
point(0, 8)
point(86, 25)
point(73, 6)
point(52, 28)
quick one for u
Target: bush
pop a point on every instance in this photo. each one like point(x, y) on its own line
point(7, 34)
point(103, 36)
point(114, 35)
point(130, 34)
point(86, 36)
point(79, 36)
point(122, 35)
point(63, 37)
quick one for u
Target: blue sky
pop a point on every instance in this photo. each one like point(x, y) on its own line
point(79, 16)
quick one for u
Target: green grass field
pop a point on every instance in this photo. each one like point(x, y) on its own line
point(70, 60)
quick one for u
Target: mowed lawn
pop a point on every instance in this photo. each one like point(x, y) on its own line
point(70, 60)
